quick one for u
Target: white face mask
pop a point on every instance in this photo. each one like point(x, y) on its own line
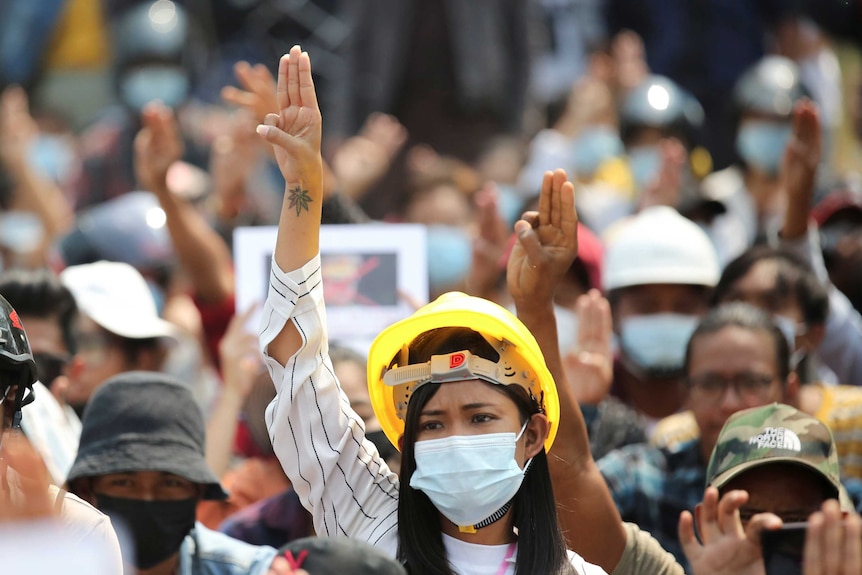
point(469, 478)
point(656, 343)
point(567, 328)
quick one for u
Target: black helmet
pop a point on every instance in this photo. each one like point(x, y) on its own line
point(659, 102)
point(17, 366)
point(771, 87)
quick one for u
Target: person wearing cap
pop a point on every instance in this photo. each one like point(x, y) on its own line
point(772, 461)
point(119, 328)
point(141, 461)
point(474, 463)
point(659, 271)
point(24, 485)
point(735, 359)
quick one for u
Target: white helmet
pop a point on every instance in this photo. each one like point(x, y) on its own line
point(659, 246)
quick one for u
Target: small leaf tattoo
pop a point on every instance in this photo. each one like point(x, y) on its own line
point(299, 199)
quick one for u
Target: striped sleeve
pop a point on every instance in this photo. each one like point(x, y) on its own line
point(318, 438)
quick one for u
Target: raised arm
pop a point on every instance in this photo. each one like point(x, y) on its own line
point(546, 247)
point(295, 135)
point(319, 440)
point(202, 253)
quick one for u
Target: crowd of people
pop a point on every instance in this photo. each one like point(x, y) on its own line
point(642, 348)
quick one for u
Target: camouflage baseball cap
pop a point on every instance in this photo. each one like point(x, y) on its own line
point(772, 434)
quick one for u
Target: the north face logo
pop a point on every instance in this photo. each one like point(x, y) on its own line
point(777, 438)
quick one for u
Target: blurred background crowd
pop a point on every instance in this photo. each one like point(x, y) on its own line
point(716, 148)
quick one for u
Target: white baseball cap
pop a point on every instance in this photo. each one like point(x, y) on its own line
point(116, 296)
point(659, 246)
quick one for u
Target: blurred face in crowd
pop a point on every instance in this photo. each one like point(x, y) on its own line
point(156, 509)
point(101, 358)
point(790, 491)
point(762, 287)
point(654, 322)
point(53, 360)
point(732, 369)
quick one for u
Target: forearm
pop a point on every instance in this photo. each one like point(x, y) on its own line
point(44, 198)
point(586, 511)
point(201, 251)
point(221, 430)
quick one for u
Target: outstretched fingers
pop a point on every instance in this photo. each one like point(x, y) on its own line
point(281, 86)
point(307, 95)
point(293, 77)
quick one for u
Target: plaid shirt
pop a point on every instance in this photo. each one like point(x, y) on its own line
point(651, 486)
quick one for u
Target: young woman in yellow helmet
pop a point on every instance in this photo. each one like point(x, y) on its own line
point(461, 387)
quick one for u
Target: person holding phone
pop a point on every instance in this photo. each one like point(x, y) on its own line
point(771, 466)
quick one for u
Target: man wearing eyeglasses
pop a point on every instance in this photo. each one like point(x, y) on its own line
point(48, 310)
point(737, 358)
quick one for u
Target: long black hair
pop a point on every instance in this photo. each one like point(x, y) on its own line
point(541, 547)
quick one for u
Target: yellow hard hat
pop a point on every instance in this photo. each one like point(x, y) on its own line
point(521, 361)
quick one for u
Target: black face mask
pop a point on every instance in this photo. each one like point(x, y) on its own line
point(156, 528)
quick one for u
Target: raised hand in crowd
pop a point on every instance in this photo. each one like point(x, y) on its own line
point(665, 188)
point(833, 542)
point(203, 254)
point(241, 364)
point(233, 158)
point(24, 482)
point(157, 146)
point(257, 92)
point(799, 168)
point(489, 245)
point(545, 249)
point(727, 548)
point(362, 160)
point(32, 191)
point(589, 364)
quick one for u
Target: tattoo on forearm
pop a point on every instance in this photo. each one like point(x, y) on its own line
point(299, 199)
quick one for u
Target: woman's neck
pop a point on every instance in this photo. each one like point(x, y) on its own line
point(498, 533)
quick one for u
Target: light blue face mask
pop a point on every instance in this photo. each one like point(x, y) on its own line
point(469, 478)
point(450, 254)
point(761, 144)
point(52, 156)
point(656, 343)
point(140, 86)
point(20, 231)
point(593, 146)
point(644, 163)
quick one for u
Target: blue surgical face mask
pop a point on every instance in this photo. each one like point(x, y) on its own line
point(52, 156)
point(21, 231)
point(450, 254)
point(593, 146)
point(140, 86)
point(761, 144)
point(656, 343)
point(469, 478)
point(645, 164)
